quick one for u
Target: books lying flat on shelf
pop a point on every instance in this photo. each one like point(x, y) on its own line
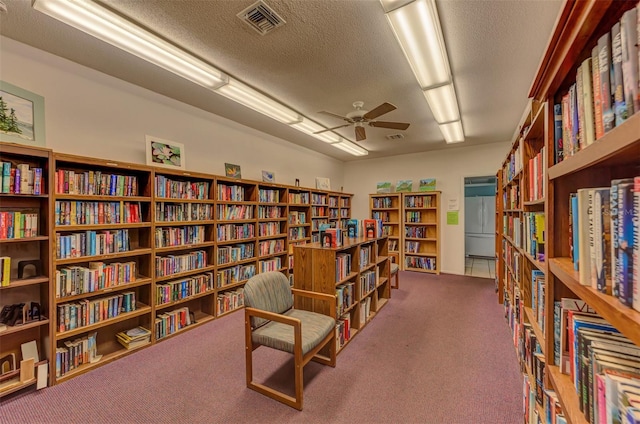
point(134, 337)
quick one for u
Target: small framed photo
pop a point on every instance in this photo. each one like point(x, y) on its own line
point(165, 153)
point(404, 186)
point(232, 171)
point(323, 183)
point(268, 177)
point(427, 184)
point(21, 116)
point(383, 187)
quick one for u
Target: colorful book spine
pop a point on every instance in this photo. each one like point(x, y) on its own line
point(624, 262)
point(630, 56)
point(604, 62)
point(636, 244)
point(597, 99)
point(617, 86)
point(557, 132)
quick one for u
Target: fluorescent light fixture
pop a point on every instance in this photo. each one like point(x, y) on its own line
point(251, 98)
point(309, 127)
point(117, 31)
point(443, 103)
point(452, 132)
point(417, 28)
point(352, 148)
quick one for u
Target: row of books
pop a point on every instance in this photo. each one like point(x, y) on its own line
point(235, 274)
point(173, 291)
point(382, 202)
point(176, 189)
point(239, 252)
point(265, 212)
point(75, 280)
point(343, 266)
point(134, 337)
point(535, 175)
point(299, 198)
point(97, 183)
point(511, 197)
point(230, 232)
point(21, 179)
point(512, 228)
point(383, 216)
point(425, 201)
point(318, 199)
point(513, 165)
point(319, 212)
point(538, 294)
point(533, 234)
point(345, 297)
point(87, 312)
point(273, 264)
point(365, 256)
point(317, 224)
point(270, 247)
point(170, 322)
point(343, 330)
point(606, 91)
point(268, 196)
point(297, 217)
point(414, 216)
point(297, 233)
point(231, 193)
point(420, 262)
point(605, 242)
point(230, 301)
point(415, 232)
point(74, 353)
point(169, 212)
point(96, 213)
point(179, 236)
point(233, 212)
point(269, 229)
point(18, 224)
point(174, 264)
point(365, 310)
point(368, 281)
point(92, 243)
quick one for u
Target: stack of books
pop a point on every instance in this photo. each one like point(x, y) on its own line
point(134, 338)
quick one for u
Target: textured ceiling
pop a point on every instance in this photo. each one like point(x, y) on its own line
point(327, 55)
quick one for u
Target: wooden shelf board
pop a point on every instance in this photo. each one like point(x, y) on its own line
point(430, 271)
point(105, 359)
point(534, 202)
point(24, 239)
point(94, 197)
point(22, 327)
point(619, 146)
point(567, 395)
point(184, 247)
point(230, 286)
point(140, 281)
point(347, 278)
point(135, 252)
point(536, 328)
point(245, 240)
point(24, 196)
point(179, 275)
point(25, 282)
point(85, 227)
point(225, 313)
point(12, 386)
point(234, 263)
point(175, 200)
point(273, 255)
point(540, 265)
point(276, 219)
point(624, 318)
point(274, 236)
point(180, 223)
point(203, 319)
point(183, 300)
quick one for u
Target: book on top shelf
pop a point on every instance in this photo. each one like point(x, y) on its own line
point(369, 228)
point(352, 228)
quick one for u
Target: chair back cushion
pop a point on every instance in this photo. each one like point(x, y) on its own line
point(269, 291)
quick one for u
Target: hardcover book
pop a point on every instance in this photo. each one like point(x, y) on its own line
point(604, 62)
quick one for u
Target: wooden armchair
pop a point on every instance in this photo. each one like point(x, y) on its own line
point(271, 320)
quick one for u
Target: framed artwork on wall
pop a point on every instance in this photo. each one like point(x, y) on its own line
point(232, 171)
point(165, 153)
point(21, 116)
point(323, 183)
point(404, 186)
point(268, 177)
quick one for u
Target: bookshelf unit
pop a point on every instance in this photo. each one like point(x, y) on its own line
point(273, 246)
point(357, 273)
point(298, 222)
point(320, 213)
point(184, 256)
point(388, 208)
point(25, 235)
point(613, 154)
point(421, 232)
point(498, 240)
point(236, 230)
point(345, 209)
point(103, 226)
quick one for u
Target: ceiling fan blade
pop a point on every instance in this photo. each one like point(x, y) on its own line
point(392, 125)
point(331, 129)
point(360, 134)
point(380, 110)
point(335, 115)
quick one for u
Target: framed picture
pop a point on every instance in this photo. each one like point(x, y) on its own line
point(165, 153)
point(323, 183)
point(383, 187)
point(427, 184)
point(268, 177)
point(232, 171)
point(21, 115)
point(404, 185)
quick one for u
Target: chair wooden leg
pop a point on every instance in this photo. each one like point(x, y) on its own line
point(248, 347)
point(299, 381)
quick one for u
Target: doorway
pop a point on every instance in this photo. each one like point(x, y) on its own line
point(479, 226)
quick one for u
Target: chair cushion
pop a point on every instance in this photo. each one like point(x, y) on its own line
point(394, 268)
point(315, 327)
point(269, 291)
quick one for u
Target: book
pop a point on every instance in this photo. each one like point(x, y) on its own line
point(630, 57)
point(587, 93)
point(369, 228)
point(636, 244)
point(614, 206)
point(584, 258)
point(557, 133)
point(624, 261)
point(602, 240)
point(352, 228)
point(566, 305)
point(597, 104)
point(617, 87)
point(604, 63)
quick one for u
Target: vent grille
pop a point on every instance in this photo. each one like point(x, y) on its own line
point(395, 137)
point(261, 17)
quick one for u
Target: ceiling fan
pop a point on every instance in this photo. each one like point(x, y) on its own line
point(360, 117)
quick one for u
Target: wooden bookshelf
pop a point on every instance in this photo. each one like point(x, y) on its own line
point(103, 231)
point(184, 254)
point(27, 240)
point(360, 267)
point(388, 208)
point(614, 155)
point(273, 243)
point(298, 223)
point(421, 232)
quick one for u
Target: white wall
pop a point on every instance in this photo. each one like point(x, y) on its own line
point(92, 114)
point(448, 167)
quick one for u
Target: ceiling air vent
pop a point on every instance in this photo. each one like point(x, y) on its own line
point(261, 17)
point(395, 137)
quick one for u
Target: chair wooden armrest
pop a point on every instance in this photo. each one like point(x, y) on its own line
point(320, 296)
point(271, 316)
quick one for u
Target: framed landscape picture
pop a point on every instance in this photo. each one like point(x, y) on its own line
point(323, 183)
point(232, 171)
point(165, 153)
point(21, 115)
point(383, 187)
point(404, 186)
point(427, 184)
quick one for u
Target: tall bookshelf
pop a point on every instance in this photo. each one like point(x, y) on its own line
point(103, 227)
point(357, 273)
point(388, 208)
point(25, 239)
point(421, 231)
point(184, 261)
point(320, 212)
point(611, 155)
point(236, 231)
point(299, 223)
point(273, 246)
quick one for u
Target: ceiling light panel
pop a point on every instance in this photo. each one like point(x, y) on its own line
point(352, 148)
point(117, 31)
point(453, 132)
point(443, 103)
point(417, 28)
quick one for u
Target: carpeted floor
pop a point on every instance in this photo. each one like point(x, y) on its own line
point(438, 352)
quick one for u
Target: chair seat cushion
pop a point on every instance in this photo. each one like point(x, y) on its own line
point(394, 268)
point(315, 327)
